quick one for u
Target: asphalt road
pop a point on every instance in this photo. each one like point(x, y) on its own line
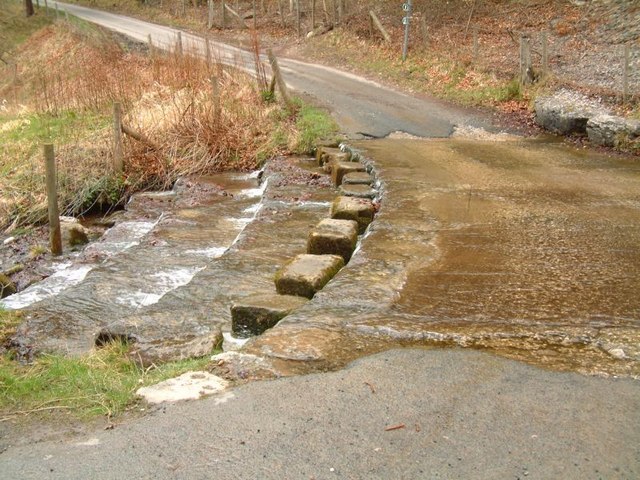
point(458, 414)
point(361, 107)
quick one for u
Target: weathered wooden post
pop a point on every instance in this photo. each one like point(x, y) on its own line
point(217, 107)
point(207, 46)
point(526, 72)
point(425, 32)
point(282, 86)
point(223, 14)
point(118, 155)
point(625, 73)
point(313, 15)
point(179, 44)
point(55, 237)
point(150, 44)
point(281, 12)
point(298, 25)
point(255, 16)
point(545, 53)
point(476, 46)
point(210, 14)
point(378, 24)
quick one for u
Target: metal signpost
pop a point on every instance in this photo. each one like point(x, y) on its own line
point(407, 6)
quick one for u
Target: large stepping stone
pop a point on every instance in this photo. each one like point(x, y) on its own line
point(357, 178)
point(334, 237)
point(255, 314)
point(307, 274)
point(340, 169)
point(329, 155)
point(350, 208)
point(359, 191)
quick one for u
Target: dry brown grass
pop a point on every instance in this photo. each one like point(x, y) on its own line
point(196, 118)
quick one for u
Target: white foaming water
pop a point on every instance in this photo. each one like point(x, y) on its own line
point(161, 284)
point(255, 208)
point(231, 343)
point(253, 192)
point(62, 279)
point(212, 252)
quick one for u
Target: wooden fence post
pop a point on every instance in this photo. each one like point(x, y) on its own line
point(526, 72)
point(55, 237)
point(313, 15)
point(544, 38)
point(298, 25)
point(625, 73)
point(379, 26)
point(223, 14)
point(476, 46)
point(207, 46)
point(282, 86)
point(210, 14)
point(425, 32)
point(118, 155)
point(179, 44)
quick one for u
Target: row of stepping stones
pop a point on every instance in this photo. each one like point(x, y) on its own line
point(329, 247)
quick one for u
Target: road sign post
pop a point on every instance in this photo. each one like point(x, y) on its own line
point(407, 7)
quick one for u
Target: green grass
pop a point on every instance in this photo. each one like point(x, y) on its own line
point(103, 382)
point(15, 28)
point(313, 124)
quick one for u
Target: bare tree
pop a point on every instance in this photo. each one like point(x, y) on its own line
point(28, 7)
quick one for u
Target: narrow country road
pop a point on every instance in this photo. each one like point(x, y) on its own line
point(361, 107)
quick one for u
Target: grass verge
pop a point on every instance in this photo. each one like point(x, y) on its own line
point(101, 383)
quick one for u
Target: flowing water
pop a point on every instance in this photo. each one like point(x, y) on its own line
point(526, 248)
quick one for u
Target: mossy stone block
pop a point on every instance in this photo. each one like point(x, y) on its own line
point(359, 191)
point(360, 210)
point(340, 169)
point(307, 274)
point(255, 314)
point(329, 155)
point(333, 237)
point(357, 178)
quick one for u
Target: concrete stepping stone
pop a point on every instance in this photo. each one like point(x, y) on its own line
point(357, 178)
point(255, 314)
point(351, 208)
point(307, 274)
point(358, 191)
point(333, 237)
point(329, 155)
point(340, 169)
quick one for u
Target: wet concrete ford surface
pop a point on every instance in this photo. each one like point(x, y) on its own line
point(526, 248)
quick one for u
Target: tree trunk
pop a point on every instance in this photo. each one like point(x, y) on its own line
point(28, 7)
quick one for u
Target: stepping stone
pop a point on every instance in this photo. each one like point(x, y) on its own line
point(329, 155)
point(340, 169)
point(334, 237)
point(307, 274)
point(350, 208)
point(255, 314)
point(357, 178)
point(359, 191)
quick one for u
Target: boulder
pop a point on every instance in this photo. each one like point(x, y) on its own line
point(357, 178)
point(351, 208)
point(329, 155)
point(566, 112)
point(188, 386)
point(7, 287)
point(340, 169)
point(609, 130)
point(257, 313)
point(73, 233)
point(307, 274)
point(359, 191)
point(333, 237)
